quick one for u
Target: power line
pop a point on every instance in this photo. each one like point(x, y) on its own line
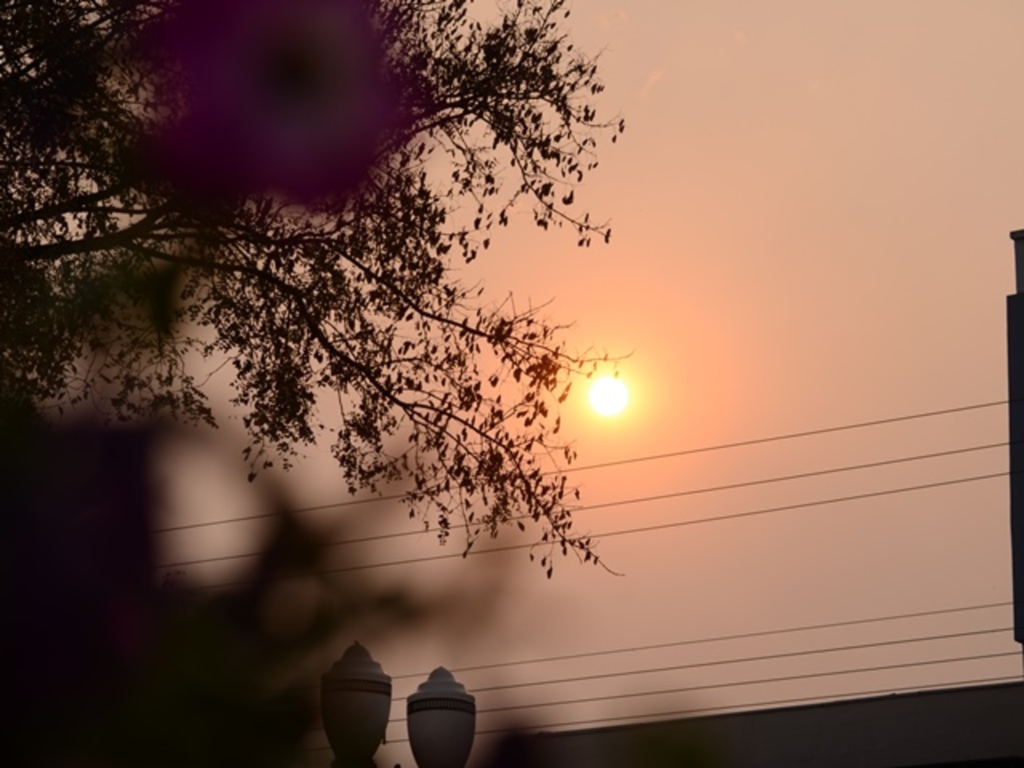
point(786, 507)
point(630, 531)
point(691, 492)
point(267, 515)
point(740, 683)
point(712, 639)
point(742, 660)
point(752, 706)
point(736, 660)
point(719, 638)
point(744, 683)
point(788, 436)
point(776, 702)
point(622, 462)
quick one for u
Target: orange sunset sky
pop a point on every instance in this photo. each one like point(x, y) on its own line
point(810, 209)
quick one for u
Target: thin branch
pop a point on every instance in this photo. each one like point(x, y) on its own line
point(72, 205)
point(52, 251)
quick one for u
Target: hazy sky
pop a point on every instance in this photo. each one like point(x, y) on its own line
point(810, 212)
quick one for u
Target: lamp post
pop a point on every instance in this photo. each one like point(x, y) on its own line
point(442, 720)
point(356, 700)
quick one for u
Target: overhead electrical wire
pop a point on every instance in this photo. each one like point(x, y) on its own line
point(677, 494)
point(622, 462)
point(741, 660)
point(749, 513)
point(738, 683)
point(689, 666)
point(745, 707)
point(786, 507)
point(719, 638)
point(749, 681)
point(788, 436)
point(907, 615)
point(630, 531)
point(755, 681)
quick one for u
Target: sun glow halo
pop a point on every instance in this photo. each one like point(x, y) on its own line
point(608, 396)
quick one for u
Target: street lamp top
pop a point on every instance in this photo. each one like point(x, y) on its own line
point(356, 670)
point(441, 691)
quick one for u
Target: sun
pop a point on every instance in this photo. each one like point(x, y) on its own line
point(608, 396)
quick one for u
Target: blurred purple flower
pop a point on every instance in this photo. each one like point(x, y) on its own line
point(287, 96)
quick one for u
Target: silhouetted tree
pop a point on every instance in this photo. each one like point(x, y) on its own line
point(290, 186)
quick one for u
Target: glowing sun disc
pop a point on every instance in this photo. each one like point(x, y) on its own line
point(608, 396)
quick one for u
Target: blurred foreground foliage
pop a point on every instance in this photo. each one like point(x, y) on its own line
point(103, 665)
